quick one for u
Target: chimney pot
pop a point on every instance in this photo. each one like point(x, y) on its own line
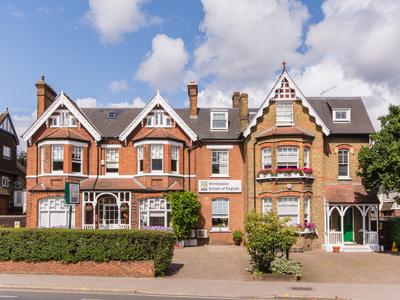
point(236, 100)
point(192, 93)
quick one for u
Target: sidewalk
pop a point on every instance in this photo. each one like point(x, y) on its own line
point(198, 287)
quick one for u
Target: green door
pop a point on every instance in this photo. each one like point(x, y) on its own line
point(348, 226)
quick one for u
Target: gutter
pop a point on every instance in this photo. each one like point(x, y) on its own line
point(190, 149)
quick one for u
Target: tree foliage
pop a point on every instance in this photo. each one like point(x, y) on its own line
point(185, 208)
point(379, 164)
point(267, 237)
point(22, 158)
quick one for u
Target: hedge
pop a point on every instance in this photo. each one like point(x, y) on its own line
point(72, 246)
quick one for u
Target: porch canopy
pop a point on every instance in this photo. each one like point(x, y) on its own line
point(351, 216)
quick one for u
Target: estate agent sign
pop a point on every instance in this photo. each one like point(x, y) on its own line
point(220, 186)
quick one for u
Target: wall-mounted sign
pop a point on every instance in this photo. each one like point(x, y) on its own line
point(71, 193)
point(220, 186)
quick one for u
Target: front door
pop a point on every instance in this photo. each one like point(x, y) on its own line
point(108, 216)
point(348, 226)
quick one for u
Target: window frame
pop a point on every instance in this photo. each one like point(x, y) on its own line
point(7, 153)
point(140, 159)
point(264, 155)
point(278, 163)
point(307, 209)
point(51, 206)
point(219, 163)
point(212, 118)
point(63, 118)
point(5, 181)
point(77, 160)
point(287, 198)
point(280, 112)
point(220, 215)
point(306, 154)
point(341, 110)
point(264, 200)
point(114, 161)
point(159, 119)
point(175, 161)
point(155, 158)
point(341, 163)
point(145, 208)
point(61, 171)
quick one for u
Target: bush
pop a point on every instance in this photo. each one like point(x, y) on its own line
point(395, 230)
point(281, 266)
point(267, 237)
point(237, 235)
point(72, 246)
point(185, 208)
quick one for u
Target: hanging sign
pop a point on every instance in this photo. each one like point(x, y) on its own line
point(71, 193)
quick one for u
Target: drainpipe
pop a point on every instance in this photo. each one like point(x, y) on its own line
point(183, 164)
point(37, 163)
point(189, 152)
point(254, 176)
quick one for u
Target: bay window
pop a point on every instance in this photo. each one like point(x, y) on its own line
point(306, 158)
point(157, 158)
point(76, 159)
point(140, 159)
point(343, 163)
point(174, 159)
point(112, 161)
point(287, 158)
point(289, 207)
point(219, 163)
point(42, 159)
point(154, 212)
point(220, 214)
point(57, 158)
point(267, 158)
point(307, 209)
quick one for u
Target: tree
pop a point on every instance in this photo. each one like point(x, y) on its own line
point(379, 164)
point(185, 208)
point(267, 237)
point(22, 158)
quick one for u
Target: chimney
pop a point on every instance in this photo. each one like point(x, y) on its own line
point(236, 100)
point(244, 110)
point(193, 92)
point(45, 96)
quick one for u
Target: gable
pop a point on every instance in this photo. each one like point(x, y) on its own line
point(7, 125)
point(62, 101)
point(157, 102)
point(285, 89)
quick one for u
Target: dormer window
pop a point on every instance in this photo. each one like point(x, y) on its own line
point(219, 120)
point(158, 119)
point(63, 118)
point(341, 115)
point(284, 113)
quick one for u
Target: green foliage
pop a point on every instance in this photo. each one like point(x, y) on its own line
point(395, 230)
point(283, 266)
point(379, 164)
point(237, 235)
point(267, 237)
point(72, 246)
point(185, 208)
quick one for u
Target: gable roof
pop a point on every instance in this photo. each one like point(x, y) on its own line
point(158, 101)
point(285, 75)
point(6, 116)
point(360, 123)
point(62, 100)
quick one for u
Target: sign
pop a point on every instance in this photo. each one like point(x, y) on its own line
point(71, 193)
point(220, 186)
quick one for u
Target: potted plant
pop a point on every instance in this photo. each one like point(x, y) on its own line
point(237, 237)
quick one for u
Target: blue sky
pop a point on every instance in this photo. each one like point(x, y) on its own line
point(114, 54)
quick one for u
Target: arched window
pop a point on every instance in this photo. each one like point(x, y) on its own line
point(54, 213)
point(154, 212)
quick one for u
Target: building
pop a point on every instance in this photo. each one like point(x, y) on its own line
point(12, 174)
point(294, 155)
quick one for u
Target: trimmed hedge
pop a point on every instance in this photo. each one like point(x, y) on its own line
point(72, 246)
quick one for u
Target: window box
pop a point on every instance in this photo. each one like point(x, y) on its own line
point(285, 173)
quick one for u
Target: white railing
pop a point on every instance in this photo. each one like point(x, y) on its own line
point(335, 238)
point(370, 238)
point(88, 226)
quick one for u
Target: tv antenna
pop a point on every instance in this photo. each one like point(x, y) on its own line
point(327, 90)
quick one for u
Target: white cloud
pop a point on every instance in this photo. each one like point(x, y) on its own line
point(15, 12)
point(49, 11)
point(164, 66)
point(118, 86)
point(113, 19)
point(136, 102)
point(86, 102)
point(21, 124)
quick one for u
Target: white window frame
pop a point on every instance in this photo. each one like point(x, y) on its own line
point(114, 161)
point(219, 163)
point(5, 181)
point(278, 156)
point(348, 164)
point(42, 159)
point(307, 209)
point(347, 118)
point(140, 158)
point(78, 158)
point(265, 154)
point(176, 149)
point(154, 157)
point(17, 184)
point(156, 206)
point(6, 152)
point(289, 199)
point(306, 157)
point(280, 119)
point(158, 118)
point(63, 118)
point(58, 159)
point(219, 215)
point(266, 208)
point(49, 205)
point(212, 117)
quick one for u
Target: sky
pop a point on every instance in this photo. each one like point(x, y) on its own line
point(118, 53)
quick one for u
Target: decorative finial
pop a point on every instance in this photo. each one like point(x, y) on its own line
point(6, 109)
point(284, 63)
point(42, 77)
point(158, 92)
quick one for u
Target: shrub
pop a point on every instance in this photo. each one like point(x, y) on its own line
point(237, 235)
point(267, 237)
point(72, 246)
point(395, 230)
point(185, 208)
point(283, 266)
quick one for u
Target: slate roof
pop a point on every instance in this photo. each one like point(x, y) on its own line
point(64, 132)
point(111, 184)
point(288, 131)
